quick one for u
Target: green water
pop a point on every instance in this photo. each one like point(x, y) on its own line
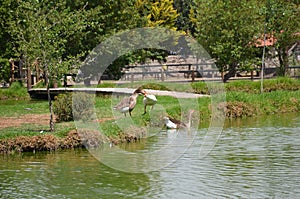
point(253, 158)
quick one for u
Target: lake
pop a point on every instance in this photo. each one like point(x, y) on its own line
point(253, 158)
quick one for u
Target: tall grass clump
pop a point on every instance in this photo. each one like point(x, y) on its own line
point(282, 83)
point(248, 104)
point(16, 92)
point(244, 86)
point(200, 88)
point(269, 85)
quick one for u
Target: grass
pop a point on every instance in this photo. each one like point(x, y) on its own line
point(61, 130)
point(243, 99)
point(10, 108)
point(280, 83)
point(15, 92)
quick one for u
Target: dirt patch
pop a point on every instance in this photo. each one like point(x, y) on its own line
point(42, 119)
point(49, 142)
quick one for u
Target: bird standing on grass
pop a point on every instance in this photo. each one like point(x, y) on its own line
point(127, 104)
point(172, 123)
point(149, 100)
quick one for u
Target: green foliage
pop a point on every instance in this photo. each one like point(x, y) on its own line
point(249, 104)
point(106, 85)
point(283, 23)
point(155, 86)
point(83, 106)
point(15, 91)
point(200, 87)
point(225, 29)
point(183, 8)
point(62, 107)
point(43, 39)
point(76, 106)
point(281, 83)
point(158, 13)
point(4, 70)
point(59, 35)
point(239, 104)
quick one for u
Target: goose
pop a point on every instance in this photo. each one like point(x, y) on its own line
point(172, 123)
point(149, 100)
point(127, 104)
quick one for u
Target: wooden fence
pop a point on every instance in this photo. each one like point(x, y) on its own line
point(164, 71)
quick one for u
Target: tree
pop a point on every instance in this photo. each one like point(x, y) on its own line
point(106, 18)
point(183, 8)
point(283, 24)
point(152, 13)
point(226, 30)
point(158, 13)
point(6, 40)
point(41, 30)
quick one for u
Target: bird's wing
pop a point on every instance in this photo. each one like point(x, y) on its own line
point(132, 102)
point(151, 97)
point(177, 122)
point(123, 103)
point(171, 124)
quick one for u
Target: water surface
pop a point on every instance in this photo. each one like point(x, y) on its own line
point(254, 158)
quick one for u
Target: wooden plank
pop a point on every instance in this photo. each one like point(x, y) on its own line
point(41, 93)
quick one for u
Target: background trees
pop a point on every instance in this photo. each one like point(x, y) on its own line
point(226, 29)
point(282, 18)
point(59, 33)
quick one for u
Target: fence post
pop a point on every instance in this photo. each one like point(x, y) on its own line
point(162, 75)
point(190, 65)
point(131, 78)
point(193, 76)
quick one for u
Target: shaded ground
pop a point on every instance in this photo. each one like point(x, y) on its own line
point(42, 119)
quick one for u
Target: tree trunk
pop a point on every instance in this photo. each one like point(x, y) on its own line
point(51, 123)
point(283, 62)
point(29, 82)
point(231, 73)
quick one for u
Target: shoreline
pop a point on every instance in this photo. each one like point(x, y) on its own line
point(75, 139)
point(242, 101)
point(49, 142)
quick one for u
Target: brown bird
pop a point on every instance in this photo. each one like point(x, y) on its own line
point(127, 104)
point(172, 123)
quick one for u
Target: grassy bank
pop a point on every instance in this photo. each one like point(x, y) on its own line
point(243, 100)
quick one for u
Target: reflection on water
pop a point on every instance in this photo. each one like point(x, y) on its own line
point(254, 158)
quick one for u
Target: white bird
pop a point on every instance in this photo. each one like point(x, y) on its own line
point(172, 123)
point(127, 104)
point(149, 100)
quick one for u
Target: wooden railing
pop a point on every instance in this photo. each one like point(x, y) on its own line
point(163, 71)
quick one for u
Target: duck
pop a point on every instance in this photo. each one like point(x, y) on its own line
point(127, 104)
point(172, 123)
point(148, 100)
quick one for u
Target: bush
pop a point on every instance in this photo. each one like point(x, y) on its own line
point(83, 106)
point(62, 107)
point(76, 106)
point(154, 86)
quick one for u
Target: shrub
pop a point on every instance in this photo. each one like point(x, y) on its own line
point(83, 106)
point(154, 86)
point(62, 107)
point(68, 107)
